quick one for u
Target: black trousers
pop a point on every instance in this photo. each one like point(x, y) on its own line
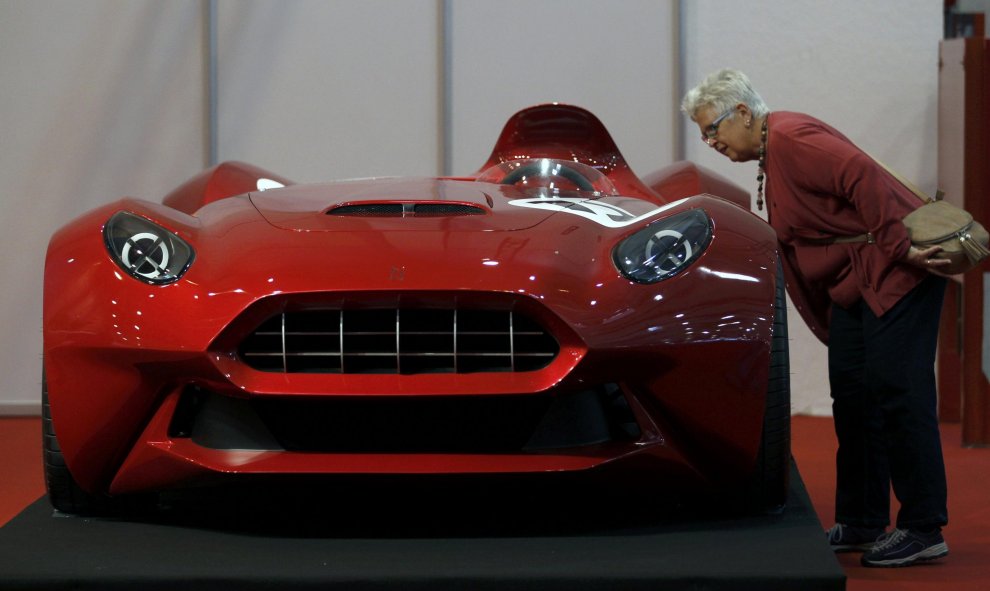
point(882, 376)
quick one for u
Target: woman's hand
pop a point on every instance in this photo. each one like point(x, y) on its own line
point(925, 259)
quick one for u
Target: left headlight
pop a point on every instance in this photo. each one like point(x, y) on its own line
point(664, 248)
point(145, 250)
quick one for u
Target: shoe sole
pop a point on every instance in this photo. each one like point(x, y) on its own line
point(931, 553)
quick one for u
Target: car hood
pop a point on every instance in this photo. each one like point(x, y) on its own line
point(431, 204)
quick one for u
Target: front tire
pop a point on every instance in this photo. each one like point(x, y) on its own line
point(63, 491)
point(771, 480)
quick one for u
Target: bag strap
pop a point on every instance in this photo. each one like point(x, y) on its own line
point(908, 184)
point(829, 240)
point(868, 237)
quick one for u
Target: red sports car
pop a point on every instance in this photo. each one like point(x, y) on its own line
point(551, 313)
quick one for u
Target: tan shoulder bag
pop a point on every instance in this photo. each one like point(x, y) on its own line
point(963, 240)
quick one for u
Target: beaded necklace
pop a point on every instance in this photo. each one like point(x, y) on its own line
point(760, 172)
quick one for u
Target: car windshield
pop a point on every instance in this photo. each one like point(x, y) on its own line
point(550, 176)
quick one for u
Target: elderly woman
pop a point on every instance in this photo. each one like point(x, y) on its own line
point(871, 299)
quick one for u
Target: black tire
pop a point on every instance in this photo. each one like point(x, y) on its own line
point(768, 490)
point(63, 491)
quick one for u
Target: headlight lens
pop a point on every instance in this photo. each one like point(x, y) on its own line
point(664, 248)
point(145, 250)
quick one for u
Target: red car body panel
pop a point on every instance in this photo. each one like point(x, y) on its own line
point(689, 354)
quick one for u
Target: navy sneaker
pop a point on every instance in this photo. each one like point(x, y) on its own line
point(849, 538)
point(903, 547)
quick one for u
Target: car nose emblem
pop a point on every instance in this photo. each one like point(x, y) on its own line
point(397, 274)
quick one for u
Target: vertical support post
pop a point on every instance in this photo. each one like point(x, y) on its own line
point(976, 383)
point(445, 92)
point(677, 42)
point(211, 83)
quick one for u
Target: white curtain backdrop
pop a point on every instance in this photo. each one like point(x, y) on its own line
point(108, 98)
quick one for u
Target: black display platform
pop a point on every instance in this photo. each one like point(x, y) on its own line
point(391, 538)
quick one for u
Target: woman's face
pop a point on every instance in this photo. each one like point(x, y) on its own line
point(728, 133)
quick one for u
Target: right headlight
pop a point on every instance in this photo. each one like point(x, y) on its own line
point(147, 251)
point(664, 248)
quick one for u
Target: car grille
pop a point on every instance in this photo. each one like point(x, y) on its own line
point(431, 209)
point(394, 340)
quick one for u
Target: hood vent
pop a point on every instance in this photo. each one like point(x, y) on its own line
point(402, 210)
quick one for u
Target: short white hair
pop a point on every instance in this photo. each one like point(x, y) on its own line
point(722, 91)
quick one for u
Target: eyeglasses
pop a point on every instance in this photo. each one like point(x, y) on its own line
point(712, 130)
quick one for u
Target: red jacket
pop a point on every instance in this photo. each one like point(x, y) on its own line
point(820, 185)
